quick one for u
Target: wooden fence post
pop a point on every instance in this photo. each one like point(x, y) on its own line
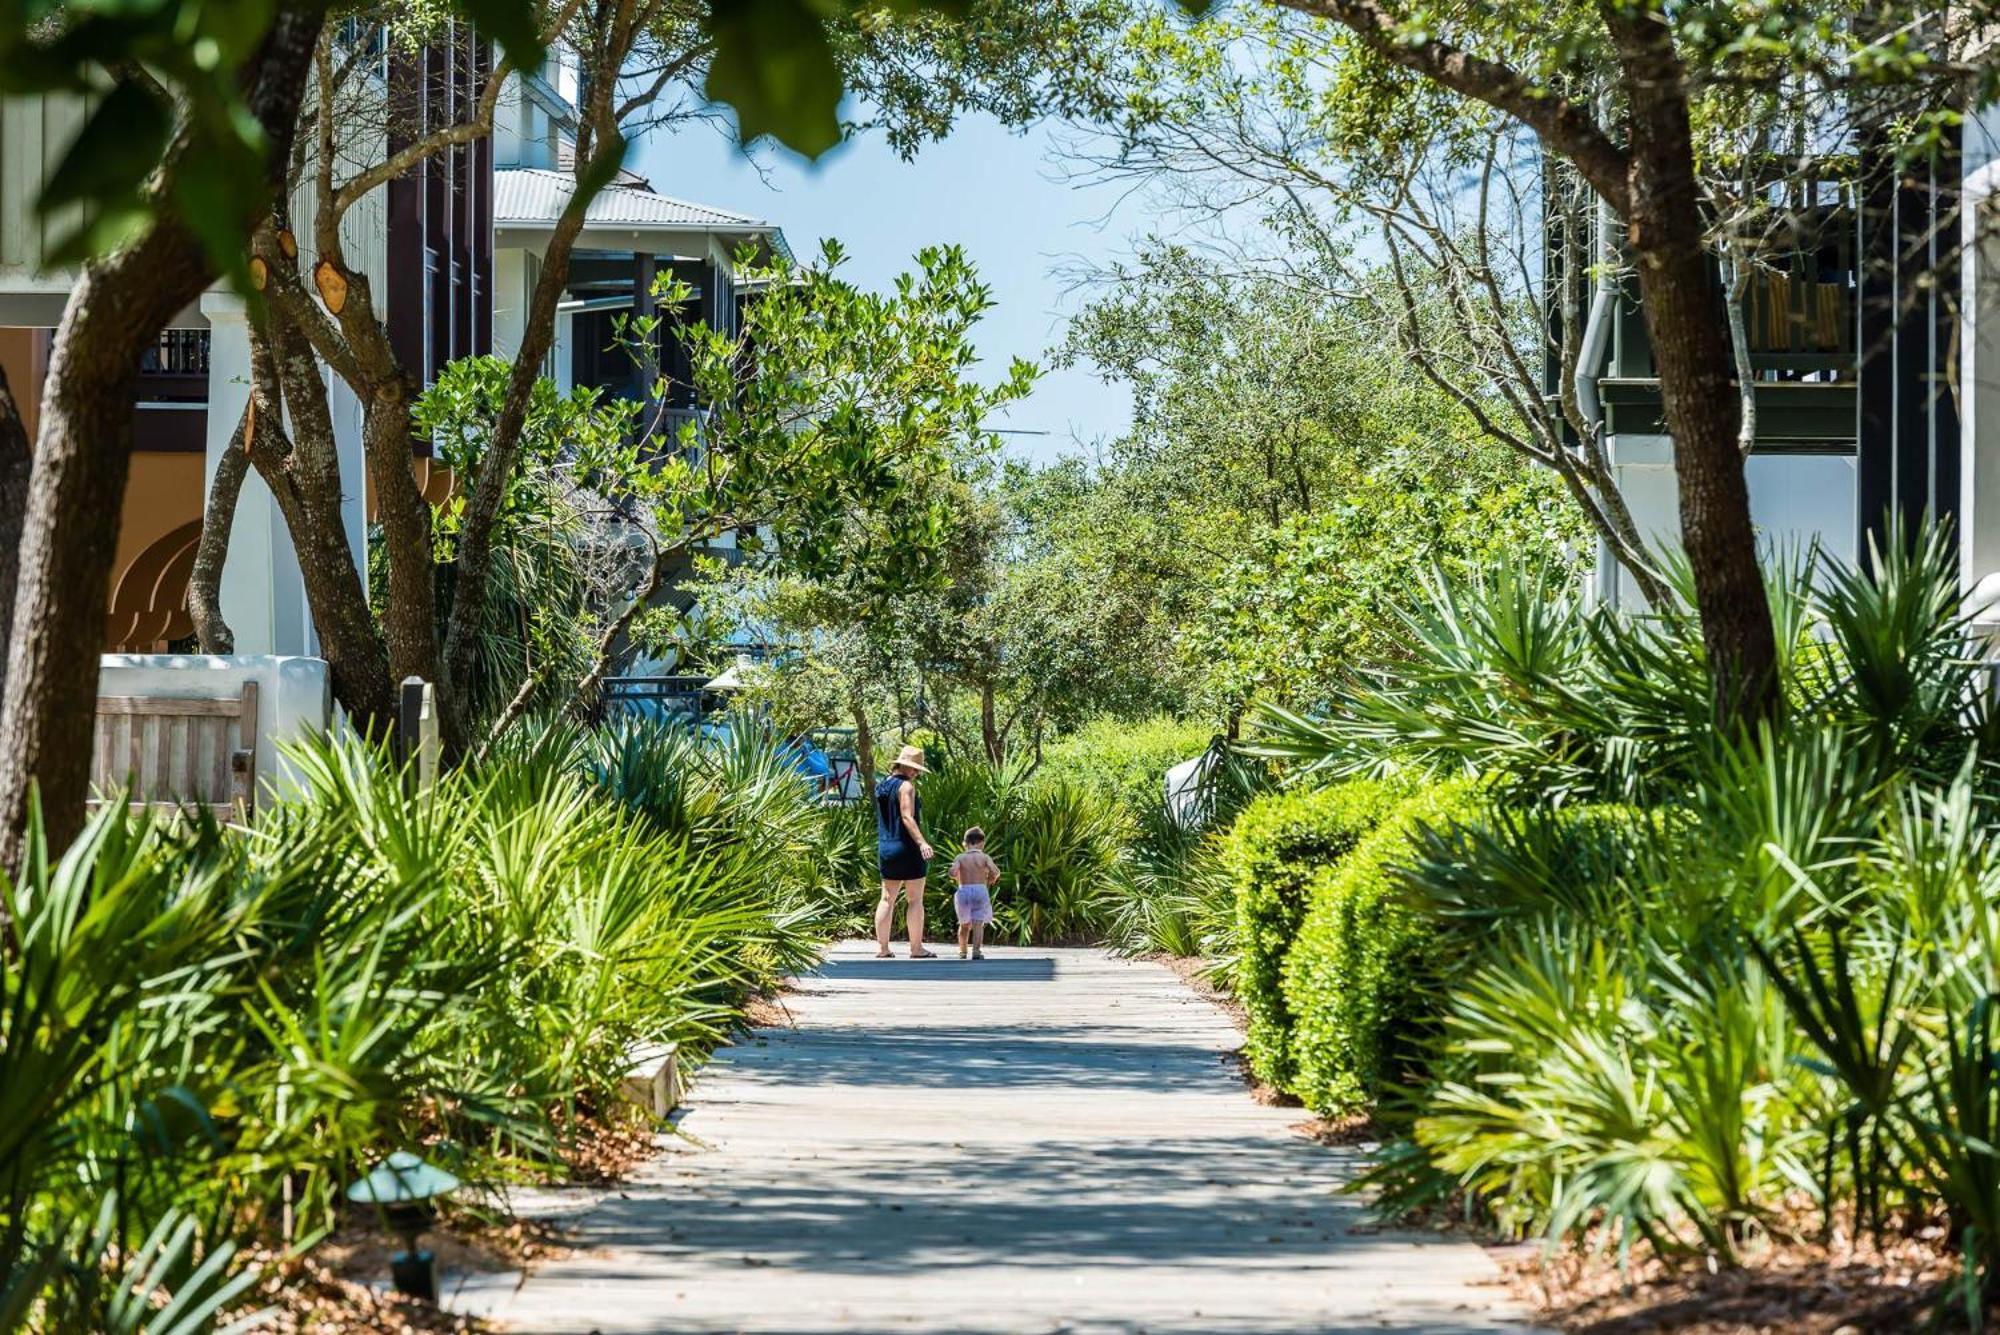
point(417, 743)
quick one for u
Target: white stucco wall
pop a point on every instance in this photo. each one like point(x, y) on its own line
point(1180, 787)
point(1795, 499)
point(294, 697)
point(1979, 357)
point(263, 591)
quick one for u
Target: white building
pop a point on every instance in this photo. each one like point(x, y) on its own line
point(1875, 372)
point(452, 250)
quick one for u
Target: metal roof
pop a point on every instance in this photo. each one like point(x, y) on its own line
point(532, 196)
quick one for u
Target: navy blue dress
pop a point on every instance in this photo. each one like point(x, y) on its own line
point(898, 853)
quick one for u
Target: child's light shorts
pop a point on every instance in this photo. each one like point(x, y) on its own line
point(973, 904)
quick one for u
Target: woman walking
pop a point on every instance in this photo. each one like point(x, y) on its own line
point(903, 851)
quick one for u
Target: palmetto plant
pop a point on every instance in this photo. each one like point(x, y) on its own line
point(205, 1034)
point(1063, 854)
point(188, 1025)
point(1511, 674)
point(1769, 974)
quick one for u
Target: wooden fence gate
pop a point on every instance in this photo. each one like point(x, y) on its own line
point(178, 752)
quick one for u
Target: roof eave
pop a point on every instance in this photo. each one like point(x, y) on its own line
point(533, 231)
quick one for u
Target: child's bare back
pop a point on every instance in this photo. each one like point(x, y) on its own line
point(975, 874)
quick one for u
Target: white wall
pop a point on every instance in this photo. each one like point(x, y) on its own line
point(1979, 358)
point(263, 595)
point(512, 286)
point(263, 591)
point(1795, 499)
point(35, 133)
point(294, 697)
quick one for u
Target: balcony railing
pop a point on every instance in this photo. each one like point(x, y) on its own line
point(1797, 322)
point(177, 352)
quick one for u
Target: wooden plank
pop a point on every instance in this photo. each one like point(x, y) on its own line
point(100, 758)
point(63, 118)
point(222, 811)
point(170, 776)
point(121, 752)
point(211, 761)
point(146, 755)
point(245, 774)
point(226, 706)
point(187, 775)
point(20, 181)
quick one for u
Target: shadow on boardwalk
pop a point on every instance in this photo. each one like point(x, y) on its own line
point(946, 968)
point(971, 1059)
point(1134, 1203)
point(1053, 1142)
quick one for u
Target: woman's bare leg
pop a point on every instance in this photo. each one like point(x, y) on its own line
point(913, 894)
point(885, 917)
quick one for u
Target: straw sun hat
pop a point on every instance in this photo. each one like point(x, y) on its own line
point(912, 757)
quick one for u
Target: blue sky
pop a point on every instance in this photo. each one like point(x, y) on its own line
point(987, 189)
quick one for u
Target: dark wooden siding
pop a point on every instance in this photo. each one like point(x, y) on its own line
point(1908, 428)
point(440, 273)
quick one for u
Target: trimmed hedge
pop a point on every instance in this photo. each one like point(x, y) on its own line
point(1271, 855)
point(1356, 977)
point(1125, 763)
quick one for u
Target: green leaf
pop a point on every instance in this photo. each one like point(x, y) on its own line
point(118, 147)
point(774, 66)
point(209, 192)
point(110, 227)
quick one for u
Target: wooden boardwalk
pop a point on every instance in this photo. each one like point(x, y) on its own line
point(1049, 1141)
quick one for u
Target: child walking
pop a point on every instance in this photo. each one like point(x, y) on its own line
point(976, 874)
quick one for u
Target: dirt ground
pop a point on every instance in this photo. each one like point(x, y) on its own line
point(1795, 1289)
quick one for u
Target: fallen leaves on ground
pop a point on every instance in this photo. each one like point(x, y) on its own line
point(1785, 1288)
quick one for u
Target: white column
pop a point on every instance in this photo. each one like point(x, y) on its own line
point(565, 343)
point(347, 414)
point(1979, 374)
point(263, 594)
point(511, 286)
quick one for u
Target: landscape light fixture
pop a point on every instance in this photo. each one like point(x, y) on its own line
point(406, 1190)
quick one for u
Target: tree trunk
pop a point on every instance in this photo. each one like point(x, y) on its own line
point(1689, 331)
point(1651, 184)
point(83, 453)
point(989, 726)
point(409, 619)
point(211, 553)
point(303, 473)
point(864, 743)
point(70, 533)
point(16, 465)
point(599, 149)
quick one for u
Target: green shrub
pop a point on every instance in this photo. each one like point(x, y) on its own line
point(1271, 854)
point(1061, 856)
point(1059, 846)
point(1173, 895)
point(1355, 980)
point(1126, 764)
point(196, 1020)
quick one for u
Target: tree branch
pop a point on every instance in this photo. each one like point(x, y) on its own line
point(1561, 123)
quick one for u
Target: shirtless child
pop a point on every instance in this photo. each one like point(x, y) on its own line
point(976, 874)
